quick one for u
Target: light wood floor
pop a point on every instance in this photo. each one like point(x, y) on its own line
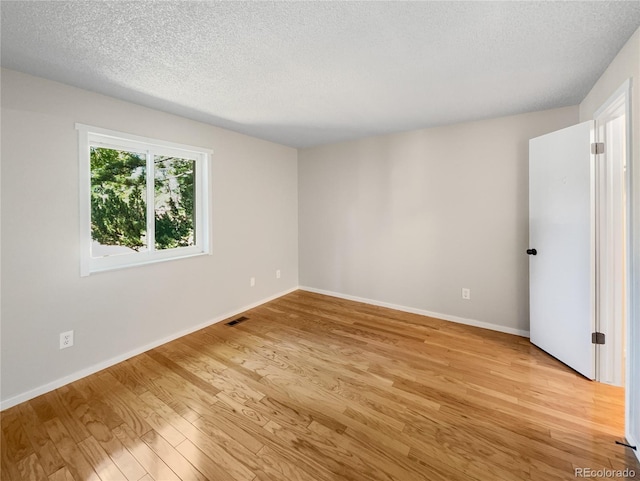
point(316, 388)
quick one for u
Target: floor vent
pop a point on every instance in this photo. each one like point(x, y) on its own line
point(237, 321)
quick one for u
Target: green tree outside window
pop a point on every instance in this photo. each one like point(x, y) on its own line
point(119, 203)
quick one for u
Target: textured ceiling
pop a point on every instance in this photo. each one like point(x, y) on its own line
point(308, 73)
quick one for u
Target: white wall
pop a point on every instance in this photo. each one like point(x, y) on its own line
point(254, 215)
point(409, 219)
point(627, 65)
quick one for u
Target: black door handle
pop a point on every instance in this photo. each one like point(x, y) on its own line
point(532, 252)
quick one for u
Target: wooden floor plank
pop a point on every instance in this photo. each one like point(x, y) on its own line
point(224, 427)
point(75, 461)
point(59, 402)
point(96, 424)
point(31, 469)
point(62, 474)
point(205, 464)
point(18, 444)
point(47, 453)
point(279, 468)
point(217, 446)
point(8, 466)
point(178, 463)
point(152, 463)
point(126, 405)
point(100, 461)
point(316, 388)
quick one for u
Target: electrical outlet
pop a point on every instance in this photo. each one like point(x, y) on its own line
point(466, 293)
point(252, 281)
point(278, 274)
point(66, 339)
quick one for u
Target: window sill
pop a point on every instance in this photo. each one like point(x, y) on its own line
point(106, 264)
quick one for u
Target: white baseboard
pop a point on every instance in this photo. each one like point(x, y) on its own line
point(446, 317)
point(633, 442)
point(7, 403)
point(50, 386)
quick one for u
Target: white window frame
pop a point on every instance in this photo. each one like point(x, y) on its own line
point(89, 136)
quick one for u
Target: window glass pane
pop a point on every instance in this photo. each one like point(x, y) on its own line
point(174, 202)
point(118, 202)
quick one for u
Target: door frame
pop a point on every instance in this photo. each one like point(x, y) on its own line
point(619, 101)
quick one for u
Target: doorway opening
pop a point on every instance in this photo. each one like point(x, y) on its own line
point(613, 229)
point(613, 134)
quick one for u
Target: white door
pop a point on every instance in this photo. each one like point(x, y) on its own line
point(561, 230)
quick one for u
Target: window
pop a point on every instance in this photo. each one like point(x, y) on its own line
point(141, 200)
